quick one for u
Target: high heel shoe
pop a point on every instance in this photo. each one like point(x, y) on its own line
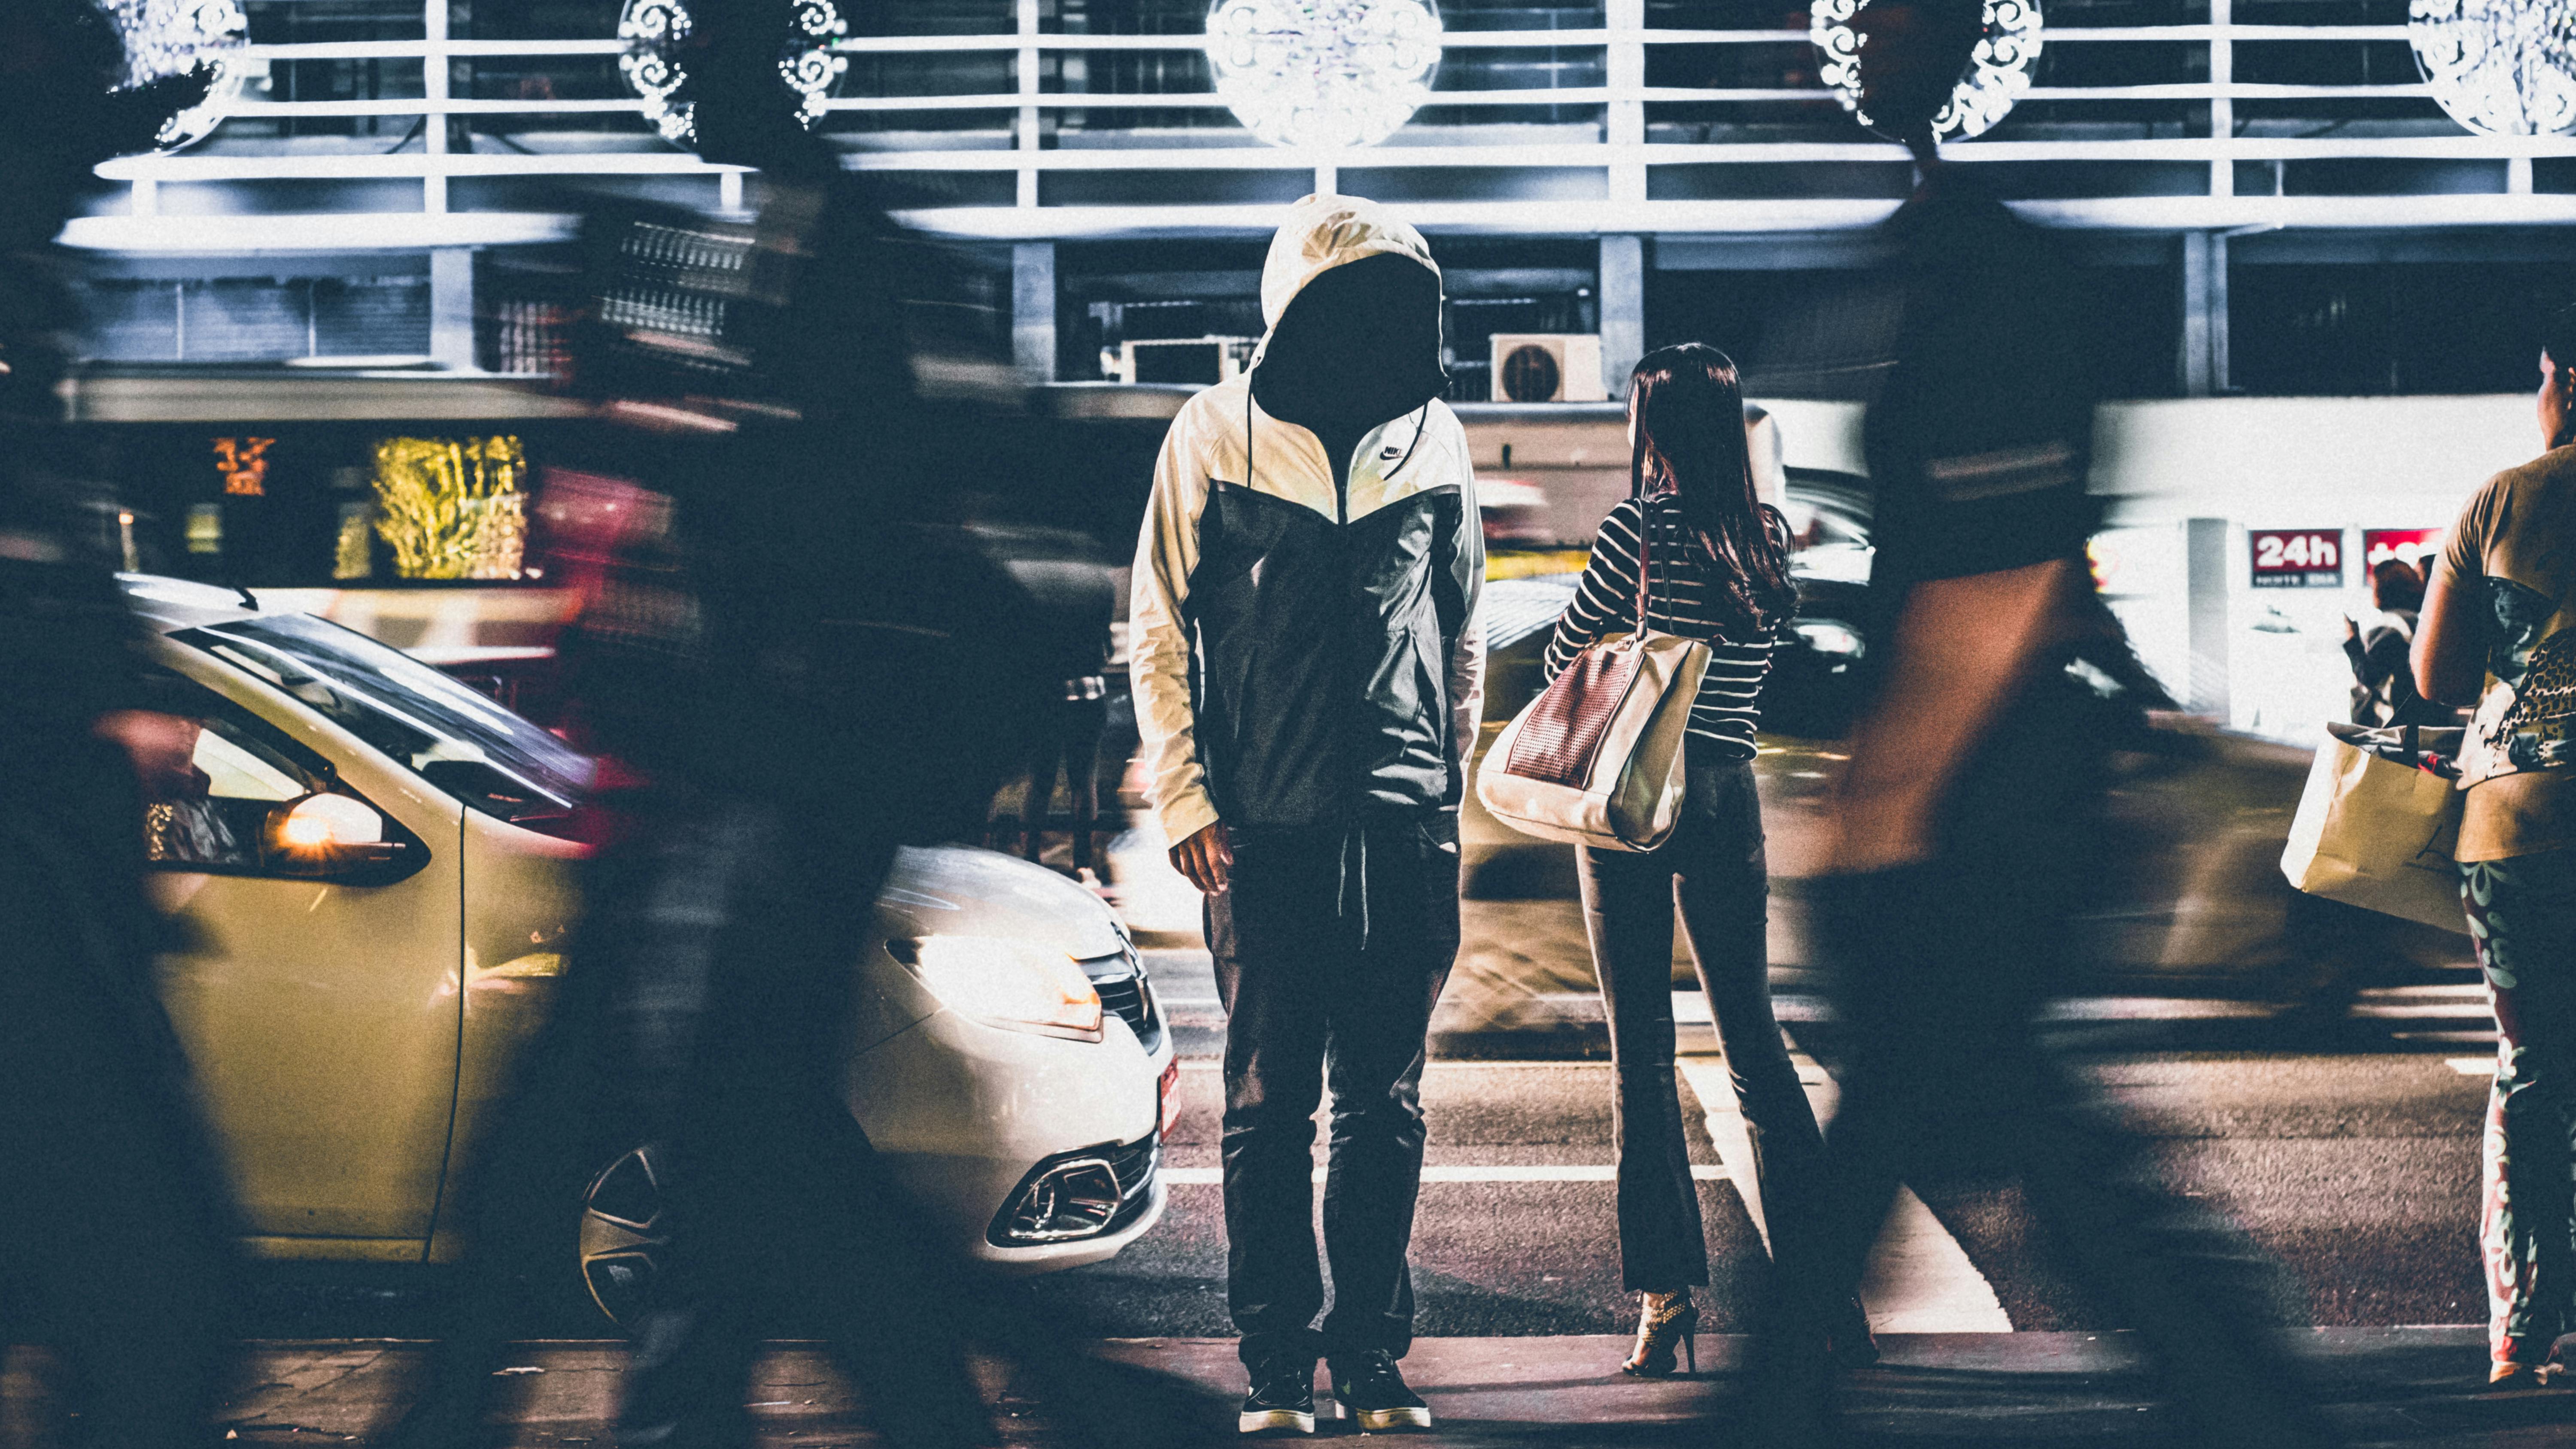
point(1666, 1322)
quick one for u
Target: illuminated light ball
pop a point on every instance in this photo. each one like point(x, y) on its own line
point(170, 37)
point(1996, 77)
point(656, 30)
point(2500, 67)
point(1323, 74)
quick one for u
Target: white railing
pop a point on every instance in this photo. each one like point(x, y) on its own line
point(1624, 155)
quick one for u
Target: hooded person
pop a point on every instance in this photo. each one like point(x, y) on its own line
point(1308, 669)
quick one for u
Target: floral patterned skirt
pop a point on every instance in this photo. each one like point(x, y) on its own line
point(2522, 915)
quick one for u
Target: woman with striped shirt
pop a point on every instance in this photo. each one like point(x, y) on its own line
point(1716, 562)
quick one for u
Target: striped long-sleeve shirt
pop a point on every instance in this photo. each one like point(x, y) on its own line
point(1728, 708)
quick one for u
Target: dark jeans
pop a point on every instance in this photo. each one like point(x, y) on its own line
point(1068, 742)
point(1938, 972)
point(1713, 868)
point(1331, 948)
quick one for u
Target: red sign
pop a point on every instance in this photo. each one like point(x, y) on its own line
point(2407, 545)
point(2297, 558)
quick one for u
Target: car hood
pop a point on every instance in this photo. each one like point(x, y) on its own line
point(955, 890)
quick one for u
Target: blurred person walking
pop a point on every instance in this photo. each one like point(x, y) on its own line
point(1715, 567)
point(115, 1229)
point(802, 661)
point(1966, 821)
point(1308, 666)
point(2499, 629)
point(2383, 690)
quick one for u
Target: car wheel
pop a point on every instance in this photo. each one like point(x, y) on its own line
point(622, 1235)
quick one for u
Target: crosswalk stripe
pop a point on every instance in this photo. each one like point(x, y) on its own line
point(1919, 1279)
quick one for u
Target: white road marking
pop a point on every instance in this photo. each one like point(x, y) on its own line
point(1919, 1279)
point(2471, 1066)
point(1526, 1172)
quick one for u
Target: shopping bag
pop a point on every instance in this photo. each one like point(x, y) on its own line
point(2376, 830)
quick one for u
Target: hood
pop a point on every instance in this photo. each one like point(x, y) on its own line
point(1324, 232)
point(1351, 298)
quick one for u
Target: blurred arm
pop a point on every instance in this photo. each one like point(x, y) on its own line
point(1964, 646)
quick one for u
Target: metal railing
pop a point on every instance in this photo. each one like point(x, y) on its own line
point(1619, 165)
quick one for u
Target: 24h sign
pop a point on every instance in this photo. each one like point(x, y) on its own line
point(2297, 558)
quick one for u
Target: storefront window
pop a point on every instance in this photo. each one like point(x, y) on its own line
point(451, 508)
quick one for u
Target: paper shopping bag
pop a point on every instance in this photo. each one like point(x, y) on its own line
point(2376, 833)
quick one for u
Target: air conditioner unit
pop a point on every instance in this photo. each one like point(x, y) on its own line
point(1203, 360)
point(1534, 367)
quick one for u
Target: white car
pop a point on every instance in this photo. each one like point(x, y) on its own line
point(377, 915)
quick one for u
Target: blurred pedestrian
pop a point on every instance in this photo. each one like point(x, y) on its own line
point(802, 662)
point(1966, 821)
point(2383, 689)
point(1307, 669)
point(1693, 552)
point(115, 1231)
point(2497, 631)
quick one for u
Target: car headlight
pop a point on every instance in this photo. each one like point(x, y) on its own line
point(1008, 983)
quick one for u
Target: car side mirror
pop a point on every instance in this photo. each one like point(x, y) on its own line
point(325, 836)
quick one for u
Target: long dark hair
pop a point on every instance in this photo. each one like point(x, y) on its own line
point(1686, 411)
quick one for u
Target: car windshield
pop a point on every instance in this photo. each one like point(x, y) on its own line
point(451, 736)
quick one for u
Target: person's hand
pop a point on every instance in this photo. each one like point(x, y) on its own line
point(163, 748)
point(2351, 630)
point(1205, 858)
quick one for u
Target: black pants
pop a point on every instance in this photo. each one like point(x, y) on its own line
point(1938, 972)
point(1714, 869)
point(1331, 948)
point(1068, 742)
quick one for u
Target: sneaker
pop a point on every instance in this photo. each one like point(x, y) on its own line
point(1282, 1400)
point(1371, 1391)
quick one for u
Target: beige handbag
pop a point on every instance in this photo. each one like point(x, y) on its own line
point(1596, 759)
point(2377, 832)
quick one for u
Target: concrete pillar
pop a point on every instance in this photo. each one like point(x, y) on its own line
point(451, 308)
point(1623, 310)
point(1033, 310)
point(2205, 588)
point(2203, 363)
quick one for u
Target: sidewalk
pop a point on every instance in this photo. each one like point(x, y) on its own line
point(2411, 1386)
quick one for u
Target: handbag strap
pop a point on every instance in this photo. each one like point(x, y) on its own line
point(1646, 525)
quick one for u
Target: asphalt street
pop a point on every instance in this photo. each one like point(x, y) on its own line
point(2346, 1150)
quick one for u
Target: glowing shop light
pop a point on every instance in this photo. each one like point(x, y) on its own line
point(170, 37)
point(1996, 77)
point(2502, 67)
point(655, 31)
point(1323, 74)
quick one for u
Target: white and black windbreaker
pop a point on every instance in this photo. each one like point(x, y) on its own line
point(1303, 633)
